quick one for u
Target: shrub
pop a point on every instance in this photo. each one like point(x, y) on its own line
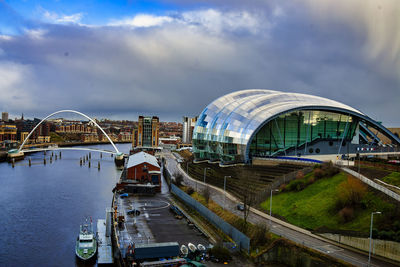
point(221, 253)
point(189, 190)
point(299, 175)
point(282, 187)
point(178, 179)
point(259, 235)
point(318, 173)
point(311, 180)
point(296, 185)
point(346, 214)
point(351, 192)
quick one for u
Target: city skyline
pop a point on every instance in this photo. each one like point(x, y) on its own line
point(171, 58)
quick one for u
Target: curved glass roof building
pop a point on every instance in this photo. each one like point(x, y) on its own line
point(264, 123)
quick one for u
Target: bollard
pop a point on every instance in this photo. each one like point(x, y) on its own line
point(30, 162)
point(44, 161)
point(98, 165)
point(89, 164)
point(13, 162)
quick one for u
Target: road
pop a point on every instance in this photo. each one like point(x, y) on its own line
point(278, 227)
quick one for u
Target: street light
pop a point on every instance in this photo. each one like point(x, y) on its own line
point(225, 187)
point(370, 236)
point(187, 167)
point(205, 169)
point(270, 206)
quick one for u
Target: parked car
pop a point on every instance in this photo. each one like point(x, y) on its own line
point(133, 212)
point(240, 207)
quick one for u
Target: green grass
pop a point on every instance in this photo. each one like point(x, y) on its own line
point(393, 179)
point(314, 206)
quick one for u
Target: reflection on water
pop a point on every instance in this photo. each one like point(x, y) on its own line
point(42, 206)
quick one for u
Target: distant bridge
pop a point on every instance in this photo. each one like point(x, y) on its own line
point(117, 152)
point(69, 148)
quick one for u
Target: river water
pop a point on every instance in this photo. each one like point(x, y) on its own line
point(42, 206)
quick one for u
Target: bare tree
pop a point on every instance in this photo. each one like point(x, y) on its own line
point(247, 192)
point(206, 194)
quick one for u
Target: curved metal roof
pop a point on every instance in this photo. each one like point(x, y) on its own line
point(234, 117)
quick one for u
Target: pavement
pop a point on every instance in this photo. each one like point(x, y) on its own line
point(278, 227)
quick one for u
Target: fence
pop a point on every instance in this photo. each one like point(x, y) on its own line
point(373, 184)
point(384, 248)
point(240, 239)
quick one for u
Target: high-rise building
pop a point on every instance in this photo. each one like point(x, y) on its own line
point(187, 129)
point(4, 116)
point(146, 134)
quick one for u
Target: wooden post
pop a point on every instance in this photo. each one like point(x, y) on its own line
point(30, 162)
point(98, 165)
point(89, 164)
point(13, 162)
point(44, 161)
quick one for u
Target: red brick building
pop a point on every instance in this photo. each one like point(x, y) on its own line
point(143, 168)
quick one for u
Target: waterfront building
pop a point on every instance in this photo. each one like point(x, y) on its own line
point(187, 129)
point(264, 123)
point(8, 132)
point(143, 168)
point(4, 116)
point(147, 132)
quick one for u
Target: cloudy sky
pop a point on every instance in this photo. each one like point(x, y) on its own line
point(170, 58)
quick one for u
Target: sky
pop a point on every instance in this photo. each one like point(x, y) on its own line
point(171, 58)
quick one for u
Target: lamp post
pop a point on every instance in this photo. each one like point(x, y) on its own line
point(205, 169)
point(225, 187)
point(187, 167)
point(270, 206)
point(370, 236)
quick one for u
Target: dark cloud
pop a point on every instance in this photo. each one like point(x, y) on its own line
point(179, 65)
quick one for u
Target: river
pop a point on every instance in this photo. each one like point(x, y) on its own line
point(42, 206)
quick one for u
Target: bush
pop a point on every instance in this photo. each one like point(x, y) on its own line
point(296, 185)
point(299, 175)
point(178, 179)
point(221, 253)
point(189, 191)
point(351, 193)
point(259, 235)
point(282, 187)
point(318, 173)
point(346, 214)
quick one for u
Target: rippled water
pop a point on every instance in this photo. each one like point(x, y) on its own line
point(42, 206)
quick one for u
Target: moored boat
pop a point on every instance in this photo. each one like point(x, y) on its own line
point(86, 243)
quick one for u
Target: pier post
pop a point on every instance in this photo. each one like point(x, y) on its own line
point(101, 155)
point(52, 153)
point(30, 162)
point(80, 161)
point(44, 161)
point(90, 155)
point(112, 155)
point(51, 159)
point(89, 164)
point(55, 157)
point(60, 154)
point(98, 165)
point(13, 162)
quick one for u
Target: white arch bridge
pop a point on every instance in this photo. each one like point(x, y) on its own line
point(20, 152)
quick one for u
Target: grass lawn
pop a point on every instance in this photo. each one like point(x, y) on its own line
point(393, 179)
point(314, 206)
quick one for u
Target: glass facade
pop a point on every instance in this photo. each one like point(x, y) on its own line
point(225, 127)
point(293, 131)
